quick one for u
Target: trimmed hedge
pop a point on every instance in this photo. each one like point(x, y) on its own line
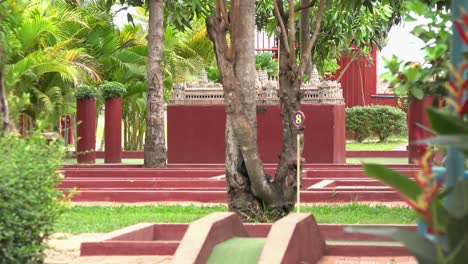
point(86, 92)
point(381, 120)
point(111, 90)
point(29, 203)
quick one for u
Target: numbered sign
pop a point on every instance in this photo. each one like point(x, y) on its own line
point(298, 119)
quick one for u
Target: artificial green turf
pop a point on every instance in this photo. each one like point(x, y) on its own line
point(237, 250)
point(94, 219)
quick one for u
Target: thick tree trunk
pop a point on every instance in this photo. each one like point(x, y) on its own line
point(155, 143)
point(4, 114)
point(251, 193)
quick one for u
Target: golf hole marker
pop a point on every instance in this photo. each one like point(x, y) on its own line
point(298, 120)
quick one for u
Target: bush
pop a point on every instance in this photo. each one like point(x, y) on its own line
point(29, 203)
point(358, 121)
point(85, 92)
point(380, 120)
point(111, 90)
point(387, 121)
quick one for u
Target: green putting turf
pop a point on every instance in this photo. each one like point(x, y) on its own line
point(237, 250)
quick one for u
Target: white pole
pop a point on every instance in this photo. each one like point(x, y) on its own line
point(298, 180)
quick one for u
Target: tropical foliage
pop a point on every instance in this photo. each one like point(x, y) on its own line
point(417, 80)
point(439, 195)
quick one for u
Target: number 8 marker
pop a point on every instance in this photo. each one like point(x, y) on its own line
point(299, 119)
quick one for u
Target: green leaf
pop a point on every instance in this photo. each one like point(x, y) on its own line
point(458, 200)
point(423, 249)
point(406, 187)
point(417, 93)
point(459, 141)
point(444, 123)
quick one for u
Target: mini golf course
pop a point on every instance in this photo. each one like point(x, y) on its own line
point(223, 238)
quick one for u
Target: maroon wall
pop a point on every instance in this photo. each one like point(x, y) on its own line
point(113, 131)
point(196, 133)
point(359, 81)
point(417, 116)
point(86, 130)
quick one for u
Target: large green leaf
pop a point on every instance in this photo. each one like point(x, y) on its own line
point(458, 200)
point(406, 187)
point(423, 249)
point(445, 123)
point(459, 141)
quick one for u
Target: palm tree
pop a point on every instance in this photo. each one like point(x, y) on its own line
point(45, 65)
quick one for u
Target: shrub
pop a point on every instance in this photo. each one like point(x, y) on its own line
point(29, 203)
point(111, 90)
point(387, 121)
point(85, 92)
point(383, 121)
point(358, 121)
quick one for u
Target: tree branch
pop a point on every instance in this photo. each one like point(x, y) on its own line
point(234, 34)
point(221, 5)
point(280, 21)
point(299, 8)
point(292, 34)
point(313, 38)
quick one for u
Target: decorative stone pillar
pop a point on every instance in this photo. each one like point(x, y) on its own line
point(86, 130)
point(112, 93)
point(113, 130)
point(416, 117)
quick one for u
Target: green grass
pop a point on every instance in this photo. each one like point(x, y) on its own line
point(373, 144)
point(96, 219)
point(377, 160)
point(72, 161)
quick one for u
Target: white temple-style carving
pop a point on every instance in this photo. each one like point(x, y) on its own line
point(206, 92)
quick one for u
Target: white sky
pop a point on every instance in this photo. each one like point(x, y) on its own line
point(403, 44)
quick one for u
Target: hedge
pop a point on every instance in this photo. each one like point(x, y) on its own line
point(381, 120)
point(29, 203)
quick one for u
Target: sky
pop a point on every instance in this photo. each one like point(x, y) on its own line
point(403, 44)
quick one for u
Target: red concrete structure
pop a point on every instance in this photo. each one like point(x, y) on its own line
point(196, 133)
point(86, 130)
point(206, 183)
point(164, 239)
point(113, 130)
point(295, 238)
point(417, 117)
point(359, 81)
point(204, 234)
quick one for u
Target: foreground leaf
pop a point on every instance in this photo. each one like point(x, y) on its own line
point(421, 248)
point(444, 123)
point(406, 187)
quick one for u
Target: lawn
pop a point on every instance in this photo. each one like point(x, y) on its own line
point(94, 219)
point(373, 144)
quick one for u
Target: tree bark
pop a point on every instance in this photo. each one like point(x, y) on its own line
point(251, 193)
point(5, 125)
point(155, 144)
point(304, 28)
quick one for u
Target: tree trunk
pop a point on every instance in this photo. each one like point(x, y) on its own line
point(5, 125)
point(155, 143)
point(251, 193)
point(304, 28)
